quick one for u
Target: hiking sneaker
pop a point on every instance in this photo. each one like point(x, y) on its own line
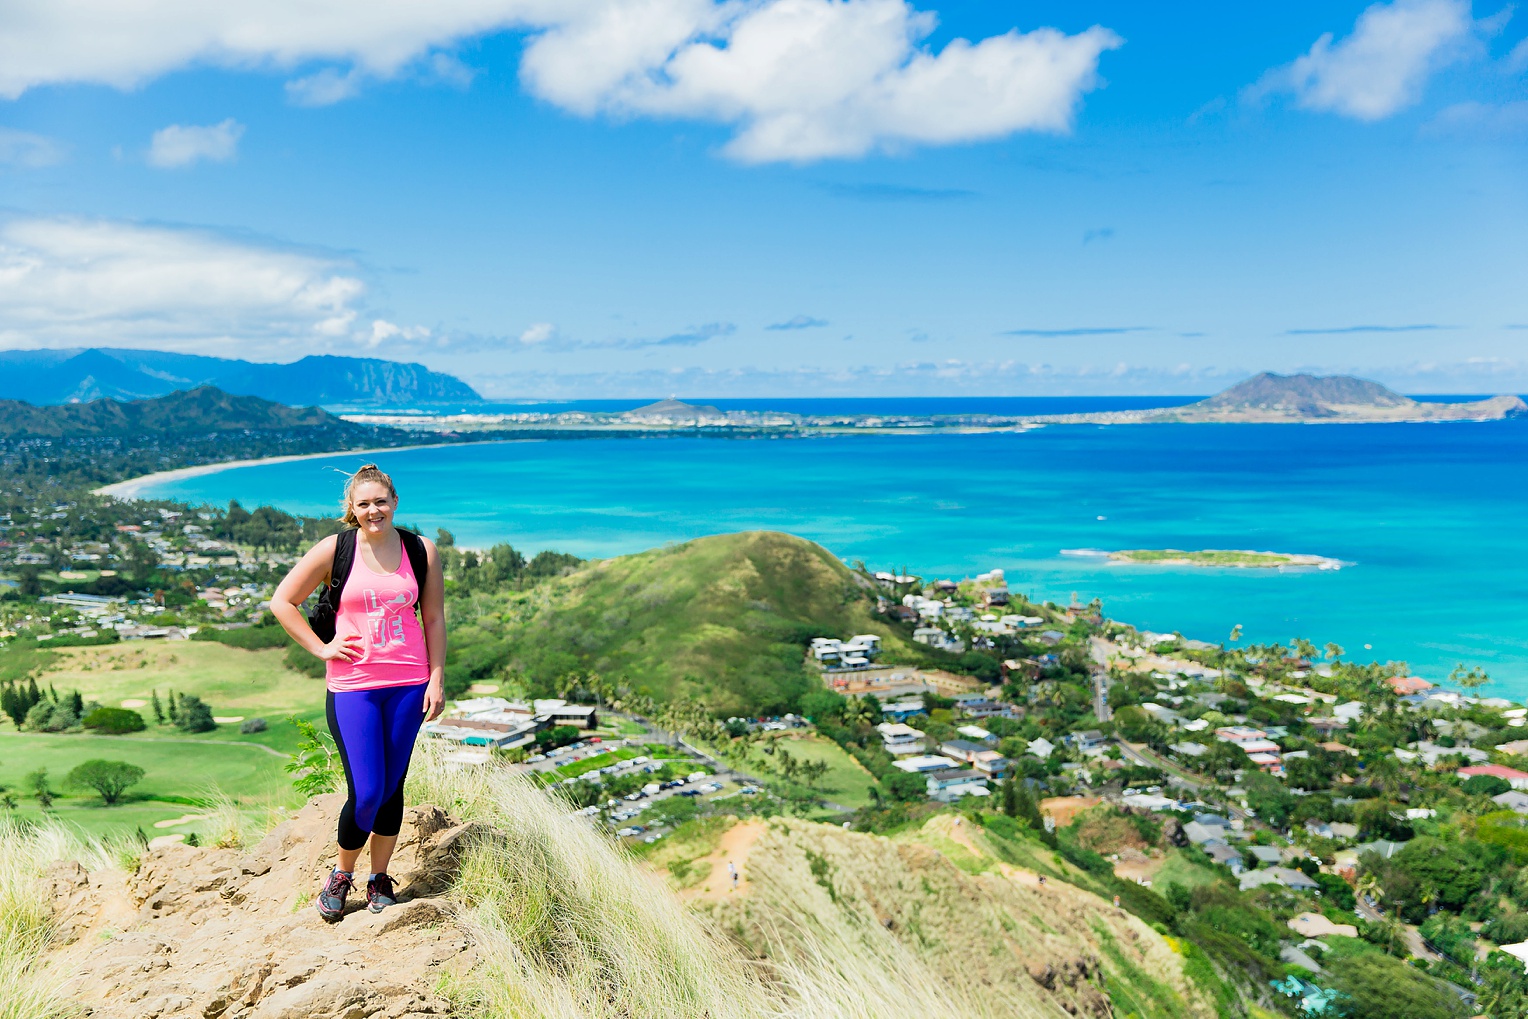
point(331, 901)
point(379, 893)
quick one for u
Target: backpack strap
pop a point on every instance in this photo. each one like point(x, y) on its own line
point(419, 561)
point(339, 569)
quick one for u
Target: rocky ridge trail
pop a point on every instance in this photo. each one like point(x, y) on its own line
point(232, 934)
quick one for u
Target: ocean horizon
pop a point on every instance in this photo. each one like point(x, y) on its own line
point(1429, 516)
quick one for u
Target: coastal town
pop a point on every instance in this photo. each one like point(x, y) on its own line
point(1315, 807)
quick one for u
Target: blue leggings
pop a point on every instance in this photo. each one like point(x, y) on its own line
point(374, 731)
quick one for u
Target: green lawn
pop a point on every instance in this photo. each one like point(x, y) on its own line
point(576, 768)
point(1188, 874)
point(234, 682)
point(846, 782)
point(186, 772)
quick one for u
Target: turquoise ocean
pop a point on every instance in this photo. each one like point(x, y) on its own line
point(1430, 517)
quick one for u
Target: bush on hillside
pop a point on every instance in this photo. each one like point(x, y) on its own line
point(1379, 987)
point(48, 716)
point(252, 725)
point(905, 786)
point(1486, 785)
point(109, 778)
point(250, 638)
point(299, 660)
point(557, 736)
point(114, 720)
point(194, 715)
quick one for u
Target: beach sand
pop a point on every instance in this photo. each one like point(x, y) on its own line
point(133, 488)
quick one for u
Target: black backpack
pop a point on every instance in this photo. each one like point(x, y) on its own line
point(322, 618)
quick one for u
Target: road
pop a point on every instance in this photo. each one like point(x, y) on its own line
point(1414, 942)
point(1099, 649)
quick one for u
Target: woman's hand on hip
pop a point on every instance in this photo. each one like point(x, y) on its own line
point(434, 700)
point(348, 647)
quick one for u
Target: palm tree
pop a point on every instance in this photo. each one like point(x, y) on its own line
point(1333, 651)
point(1369, 888)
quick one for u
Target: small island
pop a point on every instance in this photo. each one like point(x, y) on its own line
point(1240, 558)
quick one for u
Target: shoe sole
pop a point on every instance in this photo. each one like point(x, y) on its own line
point(331, 916)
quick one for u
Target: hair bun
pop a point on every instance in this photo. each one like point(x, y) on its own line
point(368, 467)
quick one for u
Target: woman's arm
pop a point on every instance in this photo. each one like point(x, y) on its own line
point(432, 605)
point(311, 571)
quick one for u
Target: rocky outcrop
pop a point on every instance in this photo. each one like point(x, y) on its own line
point(230, 934)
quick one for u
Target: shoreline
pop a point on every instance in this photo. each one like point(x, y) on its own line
point(132, 487)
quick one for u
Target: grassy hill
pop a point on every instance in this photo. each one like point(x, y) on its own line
point(725, 618)
point(194, 412)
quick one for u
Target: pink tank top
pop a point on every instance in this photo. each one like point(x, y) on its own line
point(380, 607)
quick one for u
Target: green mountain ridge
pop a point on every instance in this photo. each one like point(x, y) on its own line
point(78, 376)
point(193, 412)
point(725, 619)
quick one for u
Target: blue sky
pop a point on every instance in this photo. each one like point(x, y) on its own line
point(778, 197)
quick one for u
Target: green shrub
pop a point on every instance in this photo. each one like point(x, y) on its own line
point(299, 660)
point(250, 638)
point(114, 720)
point(109, 778)
point(252, 725)
point(193, 715)
point(1379, 987)
point(1486, 785)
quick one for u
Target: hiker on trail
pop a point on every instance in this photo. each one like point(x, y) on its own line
point(380, 627)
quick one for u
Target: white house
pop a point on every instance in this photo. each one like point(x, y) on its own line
point(932, 762)
point(900, 739)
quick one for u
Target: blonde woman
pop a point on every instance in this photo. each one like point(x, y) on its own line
point(381, 628)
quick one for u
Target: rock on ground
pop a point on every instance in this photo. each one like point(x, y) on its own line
point(232, 934)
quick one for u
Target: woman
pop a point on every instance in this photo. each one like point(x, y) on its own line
point(384, 669)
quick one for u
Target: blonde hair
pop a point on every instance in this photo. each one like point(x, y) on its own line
point(368, 472)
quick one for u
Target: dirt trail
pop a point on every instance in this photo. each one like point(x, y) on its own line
point(736, 843)
point(230, 934)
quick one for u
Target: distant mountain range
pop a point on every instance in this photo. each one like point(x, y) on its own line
point(78, 376)
point(196, 412)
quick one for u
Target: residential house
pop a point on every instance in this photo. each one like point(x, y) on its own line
point(1296, 880)
point(962, 750)
point(987, 709)
point(1088, 740)
point(1430, 753)
point(1188, 749)
point(1163, 714)
point(480, 733)
point(932, 762)
point(1513, 800)
point(992, 763)
point(1326, 726)
point(1406, 686)
point(975, 732)
point(1221, 852)
point(953, 778)
point(1041, 748)
point(901, 711)
point(1314, 925)
point(1198, 833)
point(900, 739)
point(1513, 777)
point(1050, 638)
point(1517, 748)
point(1266, 856)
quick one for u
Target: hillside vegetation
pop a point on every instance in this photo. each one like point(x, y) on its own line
point(510, 908)
point(723, 619)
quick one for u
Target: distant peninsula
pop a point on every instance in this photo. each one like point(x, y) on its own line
point(1220, 557)
point(1262, 399)
point(1270, 398)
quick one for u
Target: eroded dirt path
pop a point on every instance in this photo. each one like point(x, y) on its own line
point(736, 842)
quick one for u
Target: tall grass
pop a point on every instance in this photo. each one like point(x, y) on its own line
point(27, 989)
point(567, 924)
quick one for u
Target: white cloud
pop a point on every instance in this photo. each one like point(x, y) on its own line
point(538, 332)
point(382, 331)
point(70, 281)
point(798, 79)
point(22, 148)
point(183, 144)
point(812, 79)
point(1383, 66)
